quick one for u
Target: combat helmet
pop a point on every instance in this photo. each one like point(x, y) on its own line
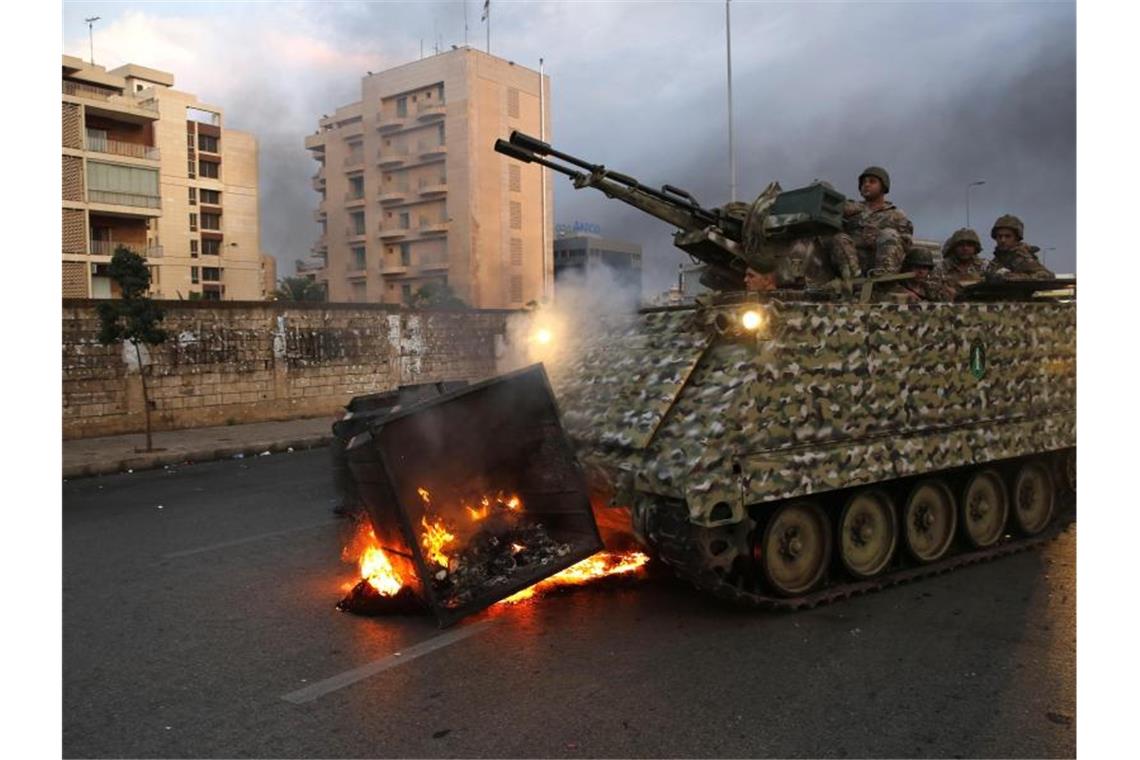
point(877, 171)
point(1009, 222)
point(963, 235)
point(919, 257)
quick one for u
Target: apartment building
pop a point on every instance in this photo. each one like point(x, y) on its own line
point(577, 257)
point(412, 192)
point(152, 168)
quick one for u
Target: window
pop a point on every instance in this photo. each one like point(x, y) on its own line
point(402, 106)
point(356, 187)
point(208, 143)
point(212, 197)
point(405, 254)
point(190, 169)
point(127, 180)
point(405, 220)
point(516, 252)
point(513, 103)
point(193, 195)
point(442, 135)
point(514, 173)
point(212, 247)
point(359, 292)
point(406, 291)
point(211, 274)
point(208, 169)
point(516, 215)
point(358, 257)
point(211, 294)
point(516, 288)
point(194, 275)
point(193, 222)
point(356, 222)
point(189, 141)
point(193, 249)
point(211, 221)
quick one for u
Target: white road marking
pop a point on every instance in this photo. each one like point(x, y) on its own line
point(248, 539)
point(349, 677)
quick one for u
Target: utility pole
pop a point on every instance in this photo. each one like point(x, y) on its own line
point(970, 186)
point(91, 35)
point(546, 295)
point(731, 144)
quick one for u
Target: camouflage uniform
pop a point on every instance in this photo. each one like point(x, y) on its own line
point(934, 287)
point(958, 269)
point(1020, 261)
point(872, 240)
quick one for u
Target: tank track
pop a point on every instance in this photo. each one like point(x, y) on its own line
point(675, 546)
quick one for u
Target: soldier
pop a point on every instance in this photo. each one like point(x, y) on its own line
point(876, 233)
point(757, 282)
point(961, 259)
point(927, 284)
point(1013, 258)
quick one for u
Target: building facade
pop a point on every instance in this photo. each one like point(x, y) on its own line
point(578, 257)
point(412, 192)
point(151, 168)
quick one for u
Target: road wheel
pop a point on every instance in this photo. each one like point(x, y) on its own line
point(930, 517)
point(1033, 498)
point(795, 548)
point(868, 533)
point(984, 509)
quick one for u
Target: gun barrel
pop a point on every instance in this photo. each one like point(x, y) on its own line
point(524, 155)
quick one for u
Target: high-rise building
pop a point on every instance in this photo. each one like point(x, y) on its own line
point(151, 168)
point(577, 257)
point(412, 191)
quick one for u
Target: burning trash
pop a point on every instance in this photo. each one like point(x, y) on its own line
point(382, 591)
point(477, 493)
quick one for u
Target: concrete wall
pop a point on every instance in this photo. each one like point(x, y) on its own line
point(234, 362)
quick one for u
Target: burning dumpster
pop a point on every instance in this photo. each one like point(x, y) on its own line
point(477, 490)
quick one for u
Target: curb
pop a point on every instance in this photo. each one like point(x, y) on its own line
point(157, 460)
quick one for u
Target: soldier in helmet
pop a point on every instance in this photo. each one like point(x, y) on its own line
point(1013, 257)
point(961, 259)
point(876, 233)
point(927, 285)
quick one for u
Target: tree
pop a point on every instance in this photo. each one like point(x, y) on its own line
point(436, 294)
point(133, 318)
point(298, 289)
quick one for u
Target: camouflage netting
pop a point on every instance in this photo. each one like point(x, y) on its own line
point(838, 395)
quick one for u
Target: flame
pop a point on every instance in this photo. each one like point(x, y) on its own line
point(600, 565)
point(375, 567)
point(434, 539)
point(477, 513)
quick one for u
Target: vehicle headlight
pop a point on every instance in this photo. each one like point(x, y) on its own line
point(752, 320)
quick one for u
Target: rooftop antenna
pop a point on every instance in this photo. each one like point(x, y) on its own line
point(91, 35)
point(464, 23)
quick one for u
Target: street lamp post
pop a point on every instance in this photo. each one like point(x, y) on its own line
point(968, 188)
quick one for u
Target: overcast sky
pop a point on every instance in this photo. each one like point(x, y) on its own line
point(942, 94)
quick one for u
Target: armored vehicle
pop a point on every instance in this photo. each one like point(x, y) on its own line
point(792, 447)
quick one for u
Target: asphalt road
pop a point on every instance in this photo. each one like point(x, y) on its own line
point(200, 621)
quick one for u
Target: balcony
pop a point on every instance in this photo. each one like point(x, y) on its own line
point(429, 149)
point(320, 246)
point(319, 179)
point(315, 142)
point(125, 199)
point(432, 227)
point(393, 194)
point(353, 129)
point(390, 124)
point(354, 232)
point(99, 144)
point(353, 160)
point(108, 248)
point(393, 268)
point(434, 263)
point(429, 111)
point(393, 233)
point(353, 199)
point(431, 186)
point(111, 99)
point(391, 158)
